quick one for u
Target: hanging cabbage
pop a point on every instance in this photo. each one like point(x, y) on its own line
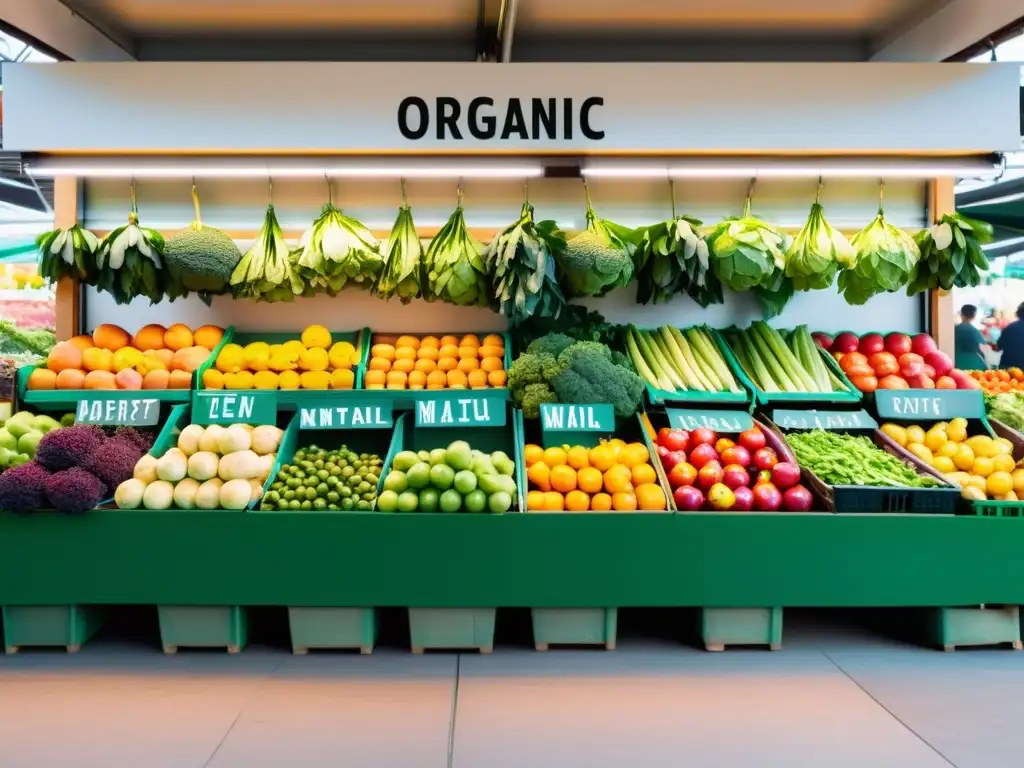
point(746, 251)
point(951, 254)
point(265, 272)
point(885, 259)
point(774, 295)
point(817, 252)
point(454, 265)
point(129, 263)
point(335, 251)
point(403, 262)
point(68, 252)
point(598, 259)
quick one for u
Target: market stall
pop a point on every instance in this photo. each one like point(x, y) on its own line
point(307, 431)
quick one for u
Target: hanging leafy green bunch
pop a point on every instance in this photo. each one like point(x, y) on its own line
point(951, 254)
point(746, 251)
point(403, 262)
point(818, 252)
point(886, 256)
point(130, 264)
point(454, 264)
point(598, 259)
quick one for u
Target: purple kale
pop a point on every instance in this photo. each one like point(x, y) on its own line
point(74, 491)
point(114, 461)
point(22, 488)
point(69, 446)
point(142, 439)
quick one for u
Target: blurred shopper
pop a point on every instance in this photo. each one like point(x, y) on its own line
point(970, 344)
point(1011, 342)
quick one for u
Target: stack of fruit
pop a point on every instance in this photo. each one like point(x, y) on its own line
point(896, 361)
point(319, 479)
point(21, 433)
point(313, 361)
point(980, 465)
point(706, 471)
point(155, 358)
point(430, 362)
point(453, 479)
point(996, 382)
point(613, 476)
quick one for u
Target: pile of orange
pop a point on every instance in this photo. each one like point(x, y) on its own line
point(613, 476)
point(995, 382)
point(155, 358)
point(430, 362)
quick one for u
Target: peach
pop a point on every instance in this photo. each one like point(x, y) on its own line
point(180, 380)
point(190, 358)
point(100, 380)
point(178, 336)
point(83, 341)
point(156, 379)
point(42, 378)
point(111, 337)
point(150, 337)
point(128, 379)
point(63, 356)
point(98, 359)
point(208, 336)
point(71, 378)
point(165, 356)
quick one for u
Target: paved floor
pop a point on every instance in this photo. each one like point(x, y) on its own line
point(834, 696)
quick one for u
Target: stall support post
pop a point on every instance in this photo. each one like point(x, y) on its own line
point(941, 200)
point(66, 205)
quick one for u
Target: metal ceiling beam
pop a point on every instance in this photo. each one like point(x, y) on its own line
point(945, 29)
point(57, 27)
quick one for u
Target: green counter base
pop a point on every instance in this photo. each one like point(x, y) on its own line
point(723, 627)
point(960, 627)
point(47, 626)
point(574, 626)
point(337, 628)
point(451, 628)
point(202, 626)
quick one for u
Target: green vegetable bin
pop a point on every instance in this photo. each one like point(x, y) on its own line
point(202, 626)
point(288, 399)
point(574, 626)
point(70, 626)
point(1002, 508)
point(68, 399)
point(333, 628)
point(451, 629)
point(722, 627)
point(658, 396)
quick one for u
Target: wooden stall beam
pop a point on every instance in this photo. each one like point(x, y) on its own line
point(942, 313)
point(66, 202)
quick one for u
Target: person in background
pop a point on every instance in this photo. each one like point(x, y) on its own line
point(970, 344)
point(1011, 342)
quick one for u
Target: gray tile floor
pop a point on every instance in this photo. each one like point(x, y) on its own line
point(836, 698)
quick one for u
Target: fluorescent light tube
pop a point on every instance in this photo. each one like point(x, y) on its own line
point(842, 167)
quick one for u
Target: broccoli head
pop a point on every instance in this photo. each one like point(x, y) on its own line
point(585, 349)
point(530, 369)
point(592, 377)
point(552, 344)
point(622, 360)
point(202, 258)
point(531, 397)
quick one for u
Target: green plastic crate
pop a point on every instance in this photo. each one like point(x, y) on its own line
point(976, 626)
point(574, 626)
point(451, 629)
point(40, 626)
point(338, 628)
point(287, 399)
point(61, 399)
point(1002, 508)
point(722, 627)
point(202, 626)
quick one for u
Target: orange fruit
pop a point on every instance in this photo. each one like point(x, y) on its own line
point(448, 350)
point(563, 478)
point(602, 457)
point(43, 378)
point(457, 380)
point(600, 502)
point(644, 474)
point(179, 380)
point(425, 364)
point(178, 336)
point(449, 341)
point(577, 457)
point(633, 454)
point(70, 378)
point(385, 351)
point(405, 353)
point(539, 475)
point(429, 341)
point(212, 379)
point(624, 502)
point(470, 340)
point(497, 378)
point(437, 380)
point(590, 480)
point(553, 502)
point(375, 379)
point(555, 456)
point(100, 380)
point(535, 501)
point(98, 359)
point(492, 351)
point(410, 342)
point(162, 380)
point(466, 353)
point(64, 356)
point(447, 364)
point(428, 353)
point(650, 497)
point(618, 479)
point(208, 336)
point(532, 453)
point(165, 356)
point(396, 380)
point(468, 364)
point(403, 365)
point(82, 341)
point(494, 340)
point(491, 364)
point(150, 337)
point(417, 380)
point(616, 445)
point(111, 337)
point(477, 379)
point(577, 501)
point(380, 364)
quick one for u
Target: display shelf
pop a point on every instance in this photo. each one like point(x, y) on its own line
point(335, 628)
point(658, 396)
point(954, 628)
point(451, 628)
point(574, 626)
point(202, 626)
point(40, 626)
point(724, 627)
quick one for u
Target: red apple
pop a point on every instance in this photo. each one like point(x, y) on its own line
point(703, 435)
point(870, 343)
point(735, 476)
point(940, 362)
point(766, 458)
point(910, 370)
point(785, 475)
point(674, 439)
point(688, 498)
point(721, 497)
point(662, 434)
point(767, 498)
point(736, 455)
point(682, 473)
point(710, 474)
point(823, 340)
point(845, 342)
point(723, 444)
point(702, 454)
point(744, 499)
point(922, 381)
point(752, 439)
point(797, 499)
point(908, 358)
point(672, 458)
point(923, 345)
point(929, 372)
point(898, 344)
point(963, 381)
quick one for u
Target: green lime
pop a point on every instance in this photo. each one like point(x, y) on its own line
point(387, 501)
point(499, 502)
point(396, 481)
point(408, 501)
point(465, 481)
point(320, 504)
point(475, 501)
point(418, 475)
point(442, 476)
point(450, 501)
point(438, 455)
point(459, 455)
point(429, 498)
point(424, 456)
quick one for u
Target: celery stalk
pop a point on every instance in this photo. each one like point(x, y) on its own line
point(666, 366)
point(786, 359)
point(639, 363)
point(814, 358)
point(762, 378)
point(677, 355)
point(674, 341)
point(701, 341)
point(709, 381)
point(739, 351)
point(673, 358)
point(665, 381)
point(772, 359)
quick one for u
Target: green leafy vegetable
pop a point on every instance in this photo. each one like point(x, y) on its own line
point(68, 253)
point(1008, 408)
point(403, 262)
point(774, 295)
point(746, 251)
point(575, 321)
point(335, 251)
point(598, 259)
point(265, 271)
point(885, 259)
point(201, 258)
point(456, 272)
point(840, 459)
point(951, 254)
point(31, 341)
point(818, 252)
point(130, 264)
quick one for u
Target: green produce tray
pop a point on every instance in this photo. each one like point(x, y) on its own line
point(313, 628)
point(850, 395)
point(656, 396)
point(59, 399)
point(451, 628)
point(507, 438)
point(383, 442)
point(202, 626)
point(70, 626)
point(287, 399)
point(574, 626)
point(975, 626)
point(1002, 508)
point(722, 627)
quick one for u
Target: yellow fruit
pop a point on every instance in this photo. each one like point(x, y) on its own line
point(947, 449)
point(316, 336)
point(375, 379)
point(283, 358)
point(982, 445)
point(964, 458)
point(288, 380)
point(934, 438)
point(1003, 446)
point(257, 356)
point(915, 434)
point(577, 457)
point(999, 483)
point(294, 346)
point(602, 457)
point(231, 359)
point(977, 481)
point(957, 478)
point(539, 475)
point(315, 379)
point(238, 380)
point(1011, 496)
point(126, 357)
point(417, 380)
point(957, 430)
point(314, 359)
point(943, 464)
point(983, 466)
point(972, 493)
point(342, 378)
point(896, 432)
point(385, 351)
point(532, 453)
point(341, 354)
point(535, 501)
point(633, 454)
point(555, 456)
point(213, 379)
point(265, 380)
point(1002, 462)
point(921, 452)
point(1018, 481)
point(408, 341)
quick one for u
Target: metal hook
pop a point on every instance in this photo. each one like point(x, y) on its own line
point(330, 190)
point(817, 194)
point(672, 194)
point(458, 193)
point(405, 203)
point(270, 189)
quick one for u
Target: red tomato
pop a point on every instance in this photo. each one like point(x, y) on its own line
point(910, 358)
point(893, 382)
point(851, 359)
point(865, 383)
point(859, 371)
point(884, 363)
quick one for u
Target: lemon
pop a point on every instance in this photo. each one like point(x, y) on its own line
point(957, 430)
point(231, 358)
point(896, 432)
point(264, 380)
point(316, 336)
point(947, 449)
point(959, 479)
point(213, 379)
point(915, 434)
point(238, 380)
point(1003, 446)
point(257, 356)
point(1018, 481)
point(315, 379)
point(288, 380)
point(999, 483)
point(295, 347)
point(982, 445)
point(964, 458)
point(341, 354)
point(314, 359)
point(977, 481)
point(934, 438)
point(944, 464)
point(1003, 463)
point(983, 466)
point(921, 452)
point(972, 493)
